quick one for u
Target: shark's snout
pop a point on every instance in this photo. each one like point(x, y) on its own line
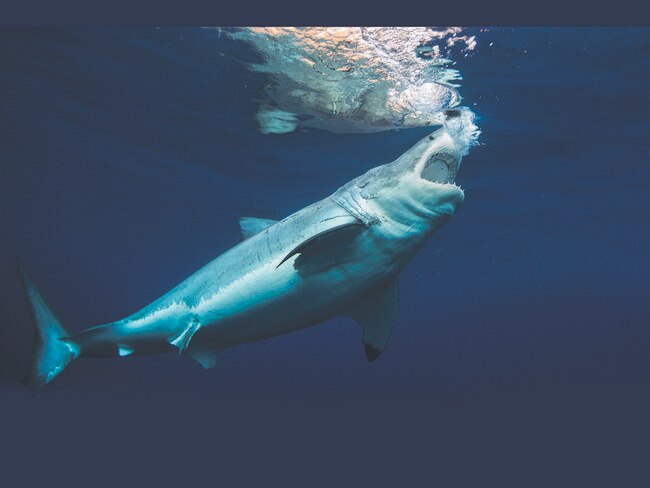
point(441, 167)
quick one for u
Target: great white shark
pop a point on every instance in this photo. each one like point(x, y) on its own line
point(339, 256)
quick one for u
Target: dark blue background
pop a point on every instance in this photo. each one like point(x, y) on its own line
point(521, 351)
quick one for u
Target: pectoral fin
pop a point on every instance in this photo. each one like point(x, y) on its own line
point(323, 243)
point(377, 314)
point(250, 226)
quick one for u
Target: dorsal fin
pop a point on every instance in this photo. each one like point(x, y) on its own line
point(250, 226)
point(377, 314)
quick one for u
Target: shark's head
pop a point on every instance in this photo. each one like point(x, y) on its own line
point(418, 190)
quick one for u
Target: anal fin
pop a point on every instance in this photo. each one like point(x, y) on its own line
point(205, 357)
point(124, 350)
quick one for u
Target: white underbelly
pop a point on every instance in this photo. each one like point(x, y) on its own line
point(272, 300)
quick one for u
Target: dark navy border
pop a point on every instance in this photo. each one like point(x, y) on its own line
point(325, 12)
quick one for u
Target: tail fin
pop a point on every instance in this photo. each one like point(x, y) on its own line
point(51, 353)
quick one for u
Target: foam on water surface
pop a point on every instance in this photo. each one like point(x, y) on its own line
point(355, 79)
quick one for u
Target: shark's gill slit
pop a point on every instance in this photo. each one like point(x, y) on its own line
point(440, 168)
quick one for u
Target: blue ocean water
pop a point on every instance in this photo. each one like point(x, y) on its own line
point(128, 156)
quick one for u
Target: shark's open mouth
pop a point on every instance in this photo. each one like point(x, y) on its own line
point(440, 168)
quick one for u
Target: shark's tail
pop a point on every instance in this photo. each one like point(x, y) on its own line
point(51, 353)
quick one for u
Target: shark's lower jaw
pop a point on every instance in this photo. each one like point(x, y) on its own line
point(441, 167)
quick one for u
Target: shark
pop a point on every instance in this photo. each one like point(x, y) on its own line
point(340, 256)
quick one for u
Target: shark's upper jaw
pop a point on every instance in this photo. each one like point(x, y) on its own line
point(435, 174)
point(441, 167)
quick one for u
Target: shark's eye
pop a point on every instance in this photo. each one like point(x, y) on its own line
point(440, 168)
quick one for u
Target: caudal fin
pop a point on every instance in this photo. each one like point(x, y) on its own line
point(51, 353)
